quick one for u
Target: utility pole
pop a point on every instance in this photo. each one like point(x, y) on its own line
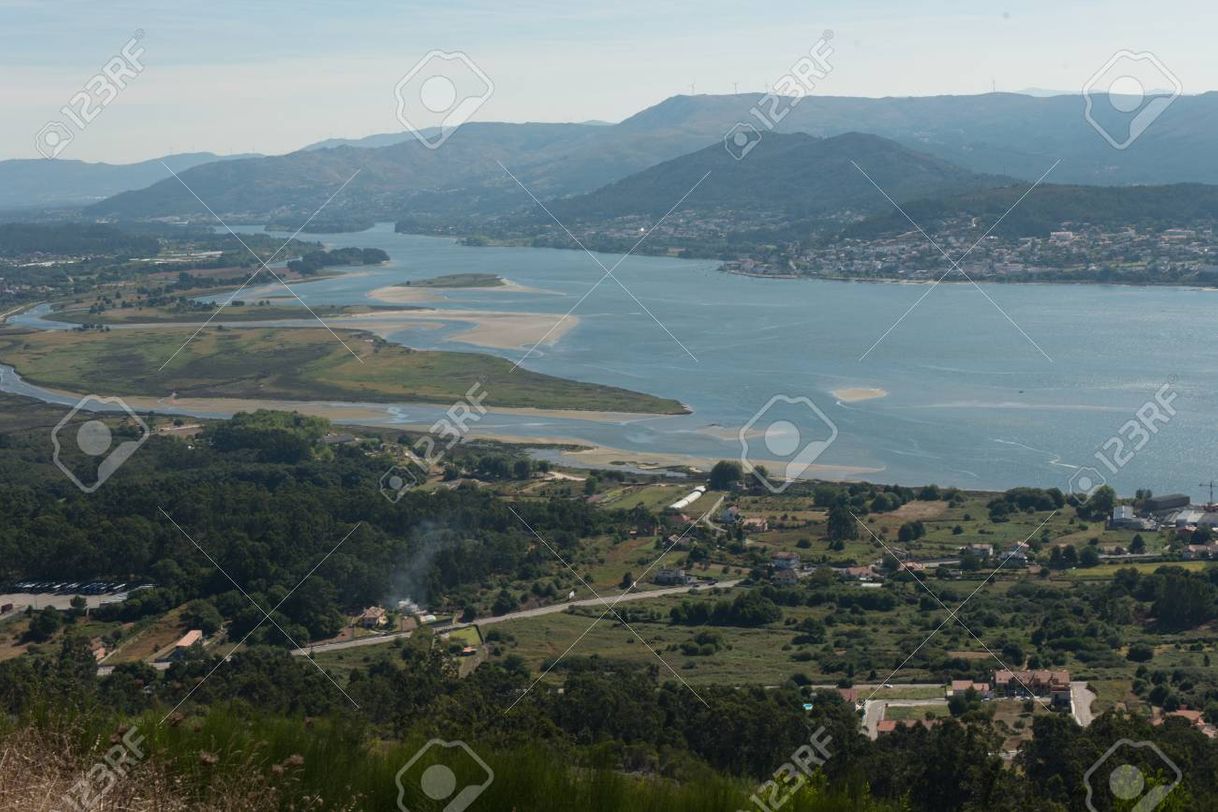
point(1209, 485)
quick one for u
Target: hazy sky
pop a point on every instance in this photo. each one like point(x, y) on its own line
point(272, 76)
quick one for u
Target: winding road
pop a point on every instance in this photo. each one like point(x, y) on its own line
point(604, 600)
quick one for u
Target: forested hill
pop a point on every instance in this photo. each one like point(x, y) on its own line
point(20, 239)
point(1050, 206)
point(797, 174)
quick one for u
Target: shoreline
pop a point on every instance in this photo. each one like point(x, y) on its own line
point(896, 280)
point(570, 450)
point(387, 413)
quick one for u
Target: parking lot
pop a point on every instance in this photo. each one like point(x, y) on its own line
point(59, 594)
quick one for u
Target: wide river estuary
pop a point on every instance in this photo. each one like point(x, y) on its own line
point(986, 387)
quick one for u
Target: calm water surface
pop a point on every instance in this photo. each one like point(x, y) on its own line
point(971, 401)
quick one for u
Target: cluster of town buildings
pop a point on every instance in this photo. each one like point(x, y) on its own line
point(1075, 250)
point(1174, 512)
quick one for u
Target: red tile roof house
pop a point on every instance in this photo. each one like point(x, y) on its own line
point(889, 725)
point(963, 686)
point(1193, 717)
point(187, 640)
point(1041, 682)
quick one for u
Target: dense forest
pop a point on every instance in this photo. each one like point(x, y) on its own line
point(21, 239)
point(267, 499)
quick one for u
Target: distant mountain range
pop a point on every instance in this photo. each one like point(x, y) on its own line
point(31, 183)
point(993, 133)
point(464, 175)
point(997, 134)
point(797, 175)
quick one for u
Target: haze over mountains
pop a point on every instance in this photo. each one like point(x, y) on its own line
point(38, 182)
point(997, 134)
point(797, 174)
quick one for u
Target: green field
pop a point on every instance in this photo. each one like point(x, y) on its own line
point(302, 363)
point(765, 655)
point(1104, 572)
point(906, 712)
point(457, 280)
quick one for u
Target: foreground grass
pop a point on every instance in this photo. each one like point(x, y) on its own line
point(223, 761)
point(294, 364)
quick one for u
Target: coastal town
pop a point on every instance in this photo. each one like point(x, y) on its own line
point(1073, 253)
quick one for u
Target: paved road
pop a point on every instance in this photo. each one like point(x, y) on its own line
point(1081, 698)
point(606, 600)
point(553, 608)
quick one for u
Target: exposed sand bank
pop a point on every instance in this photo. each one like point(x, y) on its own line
point(855, 394)
point(393, 294)
point(488, 328)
